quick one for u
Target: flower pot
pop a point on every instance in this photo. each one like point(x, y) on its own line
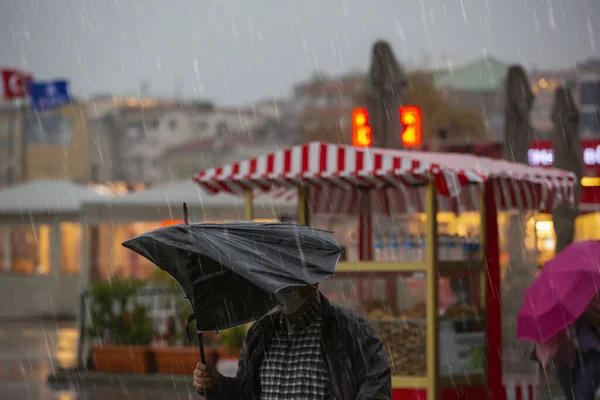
point(182, 360)
point(118, 358)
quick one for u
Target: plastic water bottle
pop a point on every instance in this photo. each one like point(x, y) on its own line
point(401, 250)
point(422, 248)
point(443, 247)
point(455, 250)
point(378, 248)
point(476, 247)
point(393, 248)
point(385, 247)
point(353, 247)
point(409, 248)
point(462, 248)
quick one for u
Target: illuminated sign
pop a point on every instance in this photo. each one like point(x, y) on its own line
point(410, 117)
point(540, 157)
point(545, 157)
point(361, 131)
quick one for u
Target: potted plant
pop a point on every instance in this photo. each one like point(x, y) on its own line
point(181, 355)
point(121, 327)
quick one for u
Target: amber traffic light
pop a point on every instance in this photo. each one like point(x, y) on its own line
point(410, 118)
point(361, 131)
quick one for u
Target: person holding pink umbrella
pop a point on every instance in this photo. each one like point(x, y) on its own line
point(561, 315)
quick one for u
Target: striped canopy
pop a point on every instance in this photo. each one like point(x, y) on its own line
point(343, 176)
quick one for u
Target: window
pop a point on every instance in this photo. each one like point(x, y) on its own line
point(589, 93)
point(222, 130)
point(8, 135)
point(29, 249)
point(202, 126)
point(48, 129)
point(172, 124)
point(590, 121)
point(135, 130)
point(70, 248)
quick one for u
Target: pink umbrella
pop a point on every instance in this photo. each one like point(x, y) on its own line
point(558, 297)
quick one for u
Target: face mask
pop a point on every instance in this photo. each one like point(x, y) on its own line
point(290, 300)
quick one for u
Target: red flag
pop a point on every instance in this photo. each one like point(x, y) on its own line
point(16, 83)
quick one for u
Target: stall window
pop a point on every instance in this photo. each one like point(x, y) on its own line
point(395, 304)
point(114, 260)
point(70, 248)
point(31, 250)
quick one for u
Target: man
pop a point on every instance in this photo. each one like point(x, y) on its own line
point(308, 348)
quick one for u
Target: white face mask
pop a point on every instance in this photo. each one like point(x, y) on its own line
point(290, 300)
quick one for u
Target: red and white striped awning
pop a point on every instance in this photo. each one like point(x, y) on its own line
point(394, 178)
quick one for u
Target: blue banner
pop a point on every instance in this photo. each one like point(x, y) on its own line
point(48, 95)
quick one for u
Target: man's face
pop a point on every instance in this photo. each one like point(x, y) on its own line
point(293, 298)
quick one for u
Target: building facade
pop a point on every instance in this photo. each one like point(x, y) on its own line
point(43, 145)
point(11, 145)
point(134, 135)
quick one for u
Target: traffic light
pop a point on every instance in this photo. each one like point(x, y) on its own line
point(410, 118)
point(361, 131)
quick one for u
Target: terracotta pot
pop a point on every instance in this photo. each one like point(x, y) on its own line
point(182, 360)
point(117, 358)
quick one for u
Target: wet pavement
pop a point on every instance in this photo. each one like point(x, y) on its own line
point(29, 352)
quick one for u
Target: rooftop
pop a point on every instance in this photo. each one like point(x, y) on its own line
point(485, 74)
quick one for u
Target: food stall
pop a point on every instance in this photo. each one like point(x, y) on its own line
point(455, 355)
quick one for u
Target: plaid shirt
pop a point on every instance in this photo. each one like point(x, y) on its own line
point(294, 366)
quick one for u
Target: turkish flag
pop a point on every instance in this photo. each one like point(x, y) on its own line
point(16, 83)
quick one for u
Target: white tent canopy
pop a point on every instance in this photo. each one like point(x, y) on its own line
point(44, 200)
point(165, 203)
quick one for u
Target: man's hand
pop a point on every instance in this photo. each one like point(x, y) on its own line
point(205, 377)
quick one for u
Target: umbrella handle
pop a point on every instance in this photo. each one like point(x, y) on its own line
point(201, 347)
point(202, 357)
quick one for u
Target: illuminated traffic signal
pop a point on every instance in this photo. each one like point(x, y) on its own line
point(410, 118)
point(361, 131)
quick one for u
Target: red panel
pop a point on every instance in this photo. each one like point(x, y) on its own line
point(458, 393)
point(493, 300)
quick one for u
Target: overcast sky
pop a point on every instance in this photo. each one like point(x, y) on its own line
point(239, 51)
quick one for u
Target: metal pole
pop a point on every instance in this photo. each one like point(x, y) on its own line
point(248, 205)
point(432, 342)
point(303, 206)
point(483, 281)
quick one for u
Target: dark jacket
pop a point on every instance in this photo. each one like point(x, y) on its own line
point(353, 351)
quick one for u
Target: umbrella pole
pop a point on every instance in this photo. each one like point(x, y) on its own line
point(200, 338)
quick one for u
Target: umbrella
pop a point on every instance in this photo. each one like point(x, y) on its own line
point(558, 297)
point(236, 267)
point(518, 132)
point(567, 156)
point(387, 83)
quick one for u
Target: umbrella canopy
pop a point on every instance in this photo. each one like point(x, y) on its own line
point(337, 174)
point(387, 83)
point(558, 297)
point(567, 156)
point(240, 265)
